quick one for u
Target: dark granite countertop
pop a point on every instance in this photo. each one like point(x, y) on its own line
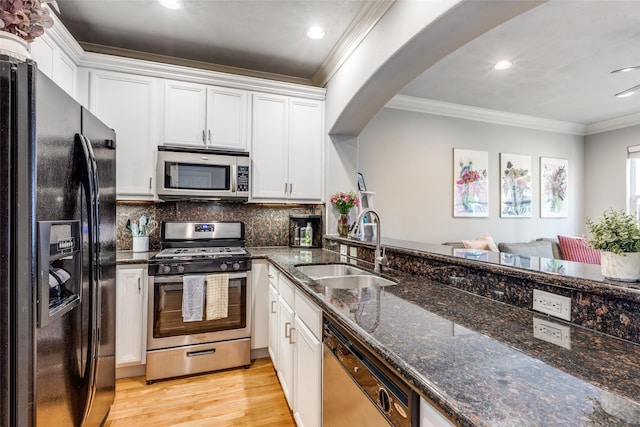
point(130, 257)
point(574, 275)
point(477, 358)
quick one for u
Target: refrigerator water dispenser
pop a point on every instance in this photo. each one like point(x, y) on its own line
point(59, 267)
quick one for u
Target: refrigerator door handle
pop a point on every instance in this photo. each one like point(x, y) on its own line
point(89, 183)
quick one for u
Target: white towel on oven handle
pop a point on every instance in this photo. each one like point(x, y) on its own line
point(217, 296)
point(192, 298)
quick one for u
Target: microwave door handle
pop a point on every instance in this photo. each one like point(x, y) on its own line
point(234, 178)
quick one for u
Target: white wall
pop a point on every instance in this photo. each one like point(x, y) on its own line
point(605, 166)
point(407, 159)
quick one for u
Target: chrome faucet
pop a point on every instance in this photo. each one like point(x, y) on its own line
point(380, 258)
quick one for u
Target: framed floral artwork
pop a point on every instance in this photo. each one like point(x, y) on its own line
point(554, 183)
point(470, 183)
point(515, 195)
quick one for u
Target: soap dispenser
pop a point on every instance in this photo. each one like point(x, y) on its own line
point(308, 235)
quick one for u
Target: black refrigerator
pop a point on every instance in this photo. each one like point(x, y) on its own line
point(57, 255)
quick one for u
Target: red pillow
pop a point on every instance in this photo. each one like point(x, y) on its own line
point(575, 249)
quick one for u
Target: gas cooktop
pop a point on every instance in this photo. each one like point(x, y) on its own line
point(202, 252)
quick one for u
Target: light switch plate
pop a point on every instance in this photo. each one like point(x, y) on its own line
point(353, 252)
point(552, 304)
point(343, 249)
point(552, 332)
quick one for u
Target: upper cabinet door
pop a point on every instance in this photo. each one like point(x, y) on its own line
point(205, 116)
point(306, 121)
point(128, 104)
point(227, 124)
point(54, 63)
point(287, 149)
point(185, 114)
point(269, 147)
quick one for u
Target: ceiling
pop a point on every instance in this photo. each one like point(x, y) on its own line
point(563, 54)
point(265, 36)
point(563, 50)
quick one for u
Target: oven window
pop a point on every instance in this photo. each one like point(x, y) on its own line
point(167, 315)
point(195, 176)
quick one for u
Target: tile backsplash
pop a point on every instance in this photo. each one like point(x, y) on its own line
point(265, 224)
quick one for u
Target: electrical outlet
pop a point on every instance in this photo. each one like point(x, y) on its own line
point(343, 249)
point(552, 332)
point(552, 304)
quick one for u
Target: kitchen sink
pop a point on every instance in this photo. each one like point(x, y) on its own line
point(354, 282)
point(319, 271)
point(342, 276)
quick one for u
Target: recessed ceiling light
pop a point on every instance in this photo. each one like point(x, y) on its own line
point(503, 65)
point(627, 92)
point(171, 4)
point(315, 32)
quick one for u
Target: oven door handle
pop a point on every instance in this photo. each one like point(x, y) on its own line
point(178, 278)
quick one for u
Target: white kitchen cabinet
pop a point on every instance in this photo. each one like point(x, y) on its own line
point(431, 417)
point(295, 331)
point(308, 376)
point(205, 116)
point(286, 349)
point(287, 148)
point(272, 307)
point(259, 310)
point(273, 326)
point(128, 104)
point(54, 63)
point(131, 315)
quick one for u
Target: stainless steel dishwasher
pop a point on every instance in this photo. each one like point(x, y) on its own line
point(358, 389)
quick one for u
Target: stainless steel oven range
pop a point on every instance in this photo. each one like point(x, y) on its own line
point(199, 300)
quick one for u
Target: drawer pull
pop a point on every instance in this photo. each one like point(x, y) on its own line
point(273, 307)
point(287, 330)
point(200, 352)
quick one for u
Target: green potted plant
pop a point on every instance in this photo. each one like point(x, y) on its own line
point(21, 21)
point(617, 235)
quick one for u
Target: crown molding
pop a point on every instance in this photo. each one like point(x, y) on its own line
point(359, 28)
point(613, 124)
point(149, 68)
point(441, 108)
point(63, 38)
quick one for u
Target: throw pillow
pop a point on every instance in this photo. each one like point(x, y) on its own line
point(575, 249)
point(542, 249)
point(485, 242)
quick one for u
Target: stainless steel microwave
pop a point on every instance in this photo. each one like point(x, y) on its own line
point(191, 173)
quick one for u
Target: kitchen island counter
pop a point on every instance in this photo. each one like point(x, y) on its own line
point(478, 359)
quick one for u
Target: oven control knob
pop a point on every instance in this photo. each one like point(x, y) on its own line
point(165, 269)
point(236, 266)
point(180, 269)
point(223, 267)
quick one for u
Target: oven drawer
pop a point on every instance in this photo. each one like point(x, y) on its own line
point(194, 359)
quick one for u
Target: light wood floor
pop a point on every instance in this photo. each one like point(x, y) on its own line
point(237, 397)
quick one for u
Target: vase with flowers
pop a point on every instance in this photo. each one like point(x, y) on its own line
point(21, 22)
point(617, 235)
point(343, 202)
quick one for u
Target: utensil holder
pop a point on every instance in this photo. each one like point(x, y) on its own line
point(140, 244)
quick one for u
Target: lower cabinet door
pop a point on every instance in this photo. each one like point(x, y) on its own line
point(308, 377)
point(131, 315)
point(273, 326)
point(286, 350)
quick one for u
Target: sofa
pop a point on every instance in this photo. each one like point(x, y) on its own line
point(562, 247)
